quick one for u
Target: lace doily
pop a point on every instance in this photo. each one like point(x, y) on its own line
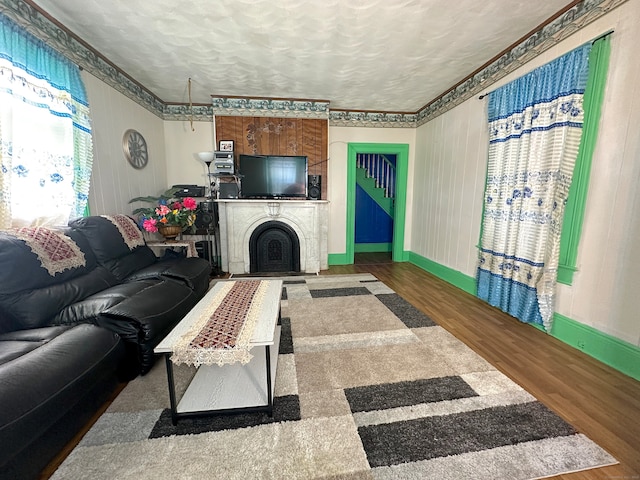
point(129, 231)
point(55, 251)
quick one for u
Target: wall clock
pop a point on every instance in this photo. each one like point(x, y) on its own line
point(135, 149)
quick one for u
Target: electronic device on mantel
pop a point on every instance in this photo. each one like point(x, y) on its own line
point(189, 191)
point(223, 163)
point(273, 176)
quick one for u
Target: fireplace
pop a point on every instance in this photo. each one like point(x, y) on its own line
point(273, 235)
point(274, 247)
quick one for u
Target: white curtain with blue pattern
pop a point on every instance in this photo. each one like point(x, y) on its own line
point(46, 149)
point(535, 126)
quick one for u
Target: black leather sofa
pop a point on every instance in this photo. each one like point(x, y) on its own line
point(81, 309)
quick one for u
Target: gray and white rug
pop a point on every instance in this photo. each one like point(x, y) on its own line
point(367, 387)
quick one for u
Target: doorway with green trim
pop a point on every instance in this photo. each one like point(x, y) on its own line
point(376, 198)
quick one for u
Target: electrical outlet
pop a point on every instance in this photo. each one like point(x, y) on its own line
point(581, 344)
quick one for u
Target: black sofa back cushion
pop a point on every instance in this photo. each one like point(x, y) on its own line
point(37, 307)
point(21, 268)
point(121, 257)
point(30, 294)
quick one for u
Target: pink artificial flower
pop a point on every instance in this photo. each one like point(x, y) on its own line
point(162, 210)
point(176, 206)
point(189, 203)
point(150, 225)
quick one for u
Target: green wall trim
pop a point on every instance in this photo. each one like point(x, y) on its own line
point(454, 277)
point(401, 150)
point(339, 259)
point(373, 247)
point(609, 350)
point(565, 274)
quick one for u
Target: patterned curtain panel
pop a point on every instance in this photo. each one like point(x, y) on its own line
point(535, 125)
point(46, 149)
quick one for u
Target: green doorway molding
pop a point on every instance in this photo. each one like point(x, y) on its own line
point(401, 151)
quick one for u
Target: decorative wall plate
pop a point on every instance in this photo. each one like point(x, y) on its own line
point(135, 149)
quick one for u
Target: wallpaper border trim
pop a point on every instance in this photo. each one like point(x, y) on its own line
point(270, 107)
point(29, 16)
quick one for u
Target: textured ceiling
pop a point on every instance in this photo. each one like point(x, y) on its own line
point(380, 55)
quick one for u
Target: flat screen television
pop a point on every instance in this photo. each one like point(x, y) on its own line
point(273, 176)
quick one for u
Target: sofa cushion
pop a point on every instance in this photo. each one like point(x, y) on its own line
point(117, 243)
point(48, 371)
point(24, 264)
point(44, 270)
point(16, 344)
point(37, 307)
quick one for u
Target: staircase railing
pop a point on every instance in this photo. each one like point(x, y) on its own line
point(380, 168)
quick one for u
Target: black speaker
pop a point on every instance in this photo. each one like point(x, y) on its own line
point(314, 187)
point(206, 215)
point(228, 190)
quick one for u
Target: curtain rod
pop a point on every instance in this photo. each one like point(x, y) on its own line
point(599, 37)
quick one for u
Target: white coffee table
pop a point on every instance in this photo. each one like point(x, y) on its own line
point(231, 388)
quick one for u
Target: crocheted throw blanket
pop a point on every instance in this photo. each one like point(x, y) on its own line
point(130, 232)
point(223, 331)
point(56, 252)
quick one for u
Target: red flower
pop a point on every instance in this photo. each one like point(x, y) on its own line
point(189, 203)
point(149, 225)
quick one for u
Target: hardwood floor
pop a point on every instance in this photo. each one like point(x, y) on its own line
point(597, 400)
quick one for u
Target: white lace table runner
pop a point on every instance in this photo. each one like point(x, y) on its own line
point(223, 331)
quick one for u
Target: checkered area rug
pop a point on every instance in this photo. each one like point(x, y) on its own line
point(367, 387)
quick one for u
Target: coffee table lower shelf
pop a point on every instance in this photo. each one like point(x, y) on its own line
point(228, 389)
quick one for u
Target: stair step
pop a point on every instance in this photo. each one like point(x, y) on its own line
point(368, 184)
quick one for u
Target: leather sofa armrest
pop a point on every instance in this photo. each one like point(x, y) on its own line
point(193, 272)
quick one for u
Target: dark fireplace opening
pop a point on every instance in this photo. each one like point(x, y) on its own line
point(274, 247)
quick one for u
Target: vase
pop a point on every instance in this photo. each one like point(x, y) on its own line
point(170, 232)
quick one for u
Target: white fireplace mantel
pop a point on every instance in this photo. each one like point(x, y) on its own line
point(239, 218)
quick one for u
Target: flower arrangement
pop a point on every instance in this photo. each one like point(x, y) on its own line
point(168, 211)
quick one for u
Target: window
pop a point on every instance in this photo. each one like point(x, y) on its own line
point(46, 150)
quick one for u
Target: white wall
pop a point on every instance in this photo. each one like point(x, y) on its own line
point(448, 184)
point(113, 181)
point(449, 178)
point(339, 139)
point(182, 143)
